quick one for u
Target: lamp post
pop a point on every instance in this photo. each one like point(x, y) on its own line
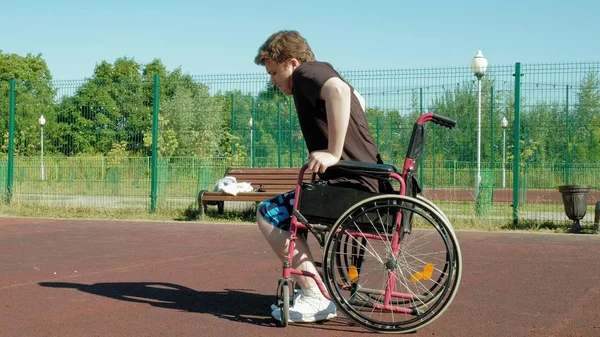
point(504, 124)
point(479, 67)
point(42, 121)
point(251, 143)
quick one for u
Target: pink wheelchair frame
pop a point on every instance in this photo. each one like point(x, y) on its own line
point(388, 300)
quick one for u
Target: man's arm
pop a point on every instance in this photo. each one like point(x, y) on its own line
point(361, 100)
point(336, 94)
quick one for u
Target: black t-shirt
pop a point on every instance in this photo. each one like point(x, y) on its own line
point(307, 81)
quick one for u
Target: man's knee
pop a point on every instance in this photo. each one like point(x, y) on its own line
point(260, 217)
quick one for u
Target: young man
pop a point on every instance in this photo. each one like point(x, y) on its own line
point(332, 118)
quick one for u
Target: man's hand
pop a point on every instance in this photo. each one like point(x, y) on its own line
point(319, 161)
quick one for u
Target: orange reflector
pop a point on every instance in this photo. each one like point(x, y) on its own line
point(428, 271)
point(425, 275)
point(416, 277)
point(353, 274)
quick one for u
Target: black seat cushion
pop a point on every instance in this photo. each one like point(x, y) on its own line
point(367, 169)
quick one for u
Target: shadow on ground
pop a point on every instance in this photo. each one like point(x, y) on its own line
point(240, 305)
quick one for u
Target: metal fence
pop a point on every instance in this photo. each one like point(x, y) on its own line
point(152, 142)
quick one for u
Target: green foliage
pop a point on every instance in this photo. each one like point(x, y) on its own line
point(586, 120)
point(34, 94)
point(114, 106)
point(459, 103)
point(117, 154)
point(109, 108)
point(192, 121)
point(167, 139)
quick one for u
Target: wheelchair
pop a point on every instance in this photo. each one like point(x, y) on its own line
point(391, 261)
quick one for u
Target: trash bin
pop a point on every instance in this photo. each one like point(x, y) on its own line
point(575, 199)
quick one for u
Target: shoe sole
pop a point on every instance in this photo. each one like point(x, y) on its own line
point(317, 318)
point(296, 294)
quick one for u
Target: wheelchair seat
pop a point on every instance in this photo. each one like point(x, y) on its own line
point(381, 171)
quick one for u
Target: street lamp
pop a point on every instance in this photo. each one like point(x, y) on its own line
point(504, 124)
point(479, 66)
point(42, 121)
point(251, 143)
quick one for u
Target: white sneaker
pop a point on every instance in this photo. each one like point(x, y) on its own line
point(297, 293)
point(308, 310)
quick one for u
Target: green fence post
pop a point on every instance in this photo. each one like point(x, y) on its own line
point(291, 137)
point(377, 132)
point(421, 168)
point(251, 124)
point(278, 133)
point(433, 128)
point(492, 161)
point(232, 126)
point(154, 172)
point(11, 141)
point(568, 133)
point(517, 144)
point(391, 144)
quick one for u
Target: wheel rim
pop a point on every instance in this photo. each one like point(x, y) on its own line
point(437, 268)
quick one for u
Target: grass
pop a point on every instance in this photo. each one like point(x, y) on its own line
point(461, 215)
point(187, 214)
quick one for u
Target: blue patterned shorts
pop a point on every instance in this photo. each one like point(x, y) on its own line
point(278, 210)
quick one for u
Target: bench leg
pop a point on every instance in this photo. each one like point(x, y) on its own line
point(201, 203)
point(221, 207)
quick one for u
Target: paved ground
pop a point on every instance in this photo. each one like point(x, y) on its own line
point(115, 278)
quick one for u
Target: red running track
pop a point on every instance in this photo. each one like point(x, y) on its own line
point(131, 278)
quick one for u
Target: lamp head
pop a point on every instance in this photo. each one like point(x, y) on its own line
point(479, 64)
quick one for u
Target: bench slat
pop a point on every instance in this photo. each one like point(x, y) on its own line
point(242, 196)
point(274, 180)
point(275, 188)
point(266, 169)
point(271, 177)
point(274, 175)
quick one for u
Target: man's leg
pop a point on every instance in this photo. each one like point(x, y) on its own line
point(273, 218)
point(278, 239)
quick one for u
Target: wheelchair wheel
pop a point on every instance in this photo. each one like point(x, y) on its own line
point(450, 227)
point(285, 310)
point(284, 301)
point(351, 258)
point(434, 206)
point(390, 275)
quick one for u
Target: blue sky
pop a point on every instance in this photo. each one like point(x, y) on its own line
point(215, 37)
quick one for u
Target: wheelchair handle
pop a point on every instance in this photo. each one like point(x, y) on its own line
point(437, 119)
point(443, 121)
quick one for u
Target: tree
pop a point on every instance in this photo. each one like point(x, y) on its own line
point(541, 124)
point(34, 97)
point(236, 110)
point(585, 120)
point(271, 117)
point(459, 104)
point(195, 118)
point(109, 108)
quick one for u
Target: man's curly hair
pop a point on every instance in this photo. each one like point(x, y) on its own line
point(282, 46)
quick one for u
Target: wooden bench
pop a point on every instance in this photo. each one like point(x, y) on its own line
point(273, 181)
